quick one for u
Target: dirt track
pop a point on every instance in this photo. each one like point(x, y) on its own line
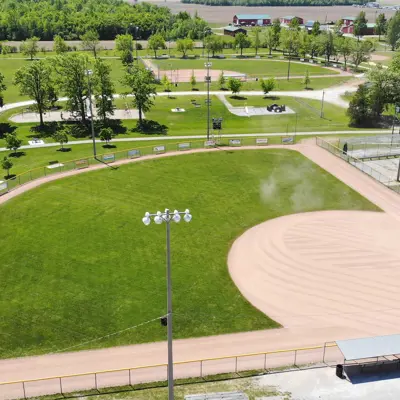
point(359, 283)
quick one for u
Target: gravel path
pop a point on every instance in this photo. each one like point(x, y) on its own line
point(351, 287)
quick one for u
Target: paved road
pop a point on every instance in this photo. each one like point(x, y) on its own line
point(154, 353)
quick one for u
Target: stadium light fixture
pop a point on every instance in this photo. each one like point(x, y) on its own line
point(159, 217)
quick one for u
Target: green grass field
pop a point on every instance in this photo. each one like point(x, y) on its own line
point(77, 262)
point(249, 67)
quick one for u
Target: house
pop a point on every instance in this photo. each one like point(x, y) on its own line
point(252, 19)
point(348, 20)
point(234, 30)
point(288, 19)
point(368, 30)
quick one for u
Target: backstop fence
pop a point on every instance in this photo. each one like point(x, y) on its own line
point(376, 172)
point(56, 167)
point(232, 366)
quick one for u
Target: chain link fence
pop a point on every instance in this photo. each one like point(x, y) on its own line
point(376, 172)
point(156, 375)
point(56, 168)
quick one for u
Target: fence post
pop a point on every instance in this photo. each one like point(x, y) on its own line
point(23, 387)
point(130, 378)
point(201, 368)
point(295, 357)
point(44, 169)
point(236, 364)
point(265, 361)
point(323, 355)
point(95, 381)
point(61, 391)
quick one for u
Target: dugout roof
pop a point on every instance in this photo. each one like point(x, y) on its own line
point(370, 347)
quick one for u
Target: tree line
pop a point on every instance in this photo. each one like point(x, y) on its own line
point(70, 19)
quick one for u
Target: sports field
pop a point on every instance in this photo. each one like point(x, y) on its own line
point(93, 268)
point(250, 67)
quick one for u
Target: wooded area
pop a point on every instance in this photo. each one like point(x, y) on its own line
point(21, 19)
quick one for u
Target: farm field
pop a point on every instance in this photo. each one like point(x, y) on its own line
point(249, 67)
point(61, 297)
point(224, 14)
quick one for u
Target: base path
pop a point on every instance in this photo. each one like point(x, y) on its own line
point(353, 298)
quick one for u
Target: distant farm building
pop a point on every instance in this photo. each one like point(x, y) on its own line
point(348, 20)
point(368, 30)
point(288, 19)
point(234, 30)
point(252, 19)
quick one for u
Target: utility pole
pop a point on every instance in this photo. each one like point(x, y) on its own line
point(136, 38)
point(208, 65)
point(322, 104)
point(90, 72)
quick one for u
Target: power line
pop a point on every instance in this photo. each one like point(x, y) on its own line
point(107, 336)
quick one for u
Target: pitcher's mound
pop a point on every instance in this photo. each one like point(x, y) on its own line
point(320, 269)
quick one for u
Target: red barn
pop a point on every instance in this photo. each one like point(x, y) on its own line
point(288, 19)
point(252, 19)
point(348, 20)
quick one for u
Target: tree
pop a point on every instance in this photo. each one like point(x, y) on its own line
point(359, 108)
point(141, 83)
point(267, 85)
point(345, 48)
point(327, 45)
point(380, 89)
point(221, 80)
point(72, 80)
point(361, 53)
point(234, 85)
point(90, 42)
point(294, 24)
point(257, 39)
point(214, 44)
point(61, 137)
point(12, 142)
point(193, 81)
point(124, 43)
point(155, 43)
point(306, 79)
point(242, 41)
point(34, 80)
point(316, 29)
point(3, 87)
point(184, 45)
point(166, 83)
point(269, 39)
point(360, 24)
point(393, 30)
point(314, 46)
point(337, 28)
point(106, 135)
point(30, 47)
point(6, 164)
point(59, 46)
point(276, 32)
point(304, 43)
point(380, 26)
point(103, 89)
point(289, 42)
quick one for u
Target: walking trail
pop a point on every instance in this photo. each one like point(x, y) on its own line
point(348, 289)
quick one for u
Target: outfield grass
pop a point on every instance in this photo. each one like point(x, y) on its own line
point(77, 262)
point(249, 67)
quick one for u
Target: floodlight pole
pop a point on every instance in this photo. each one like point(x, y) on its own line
point(167, 217)
point(90, 72)
point(208, 95)
point(136, 44)
point(322, 104)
